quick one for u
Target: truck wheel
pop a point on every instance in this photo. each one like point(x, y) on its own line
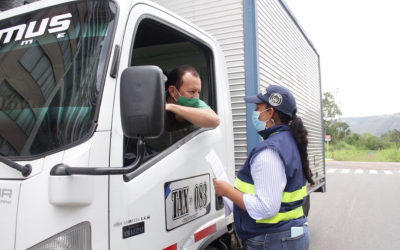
point(306, 206)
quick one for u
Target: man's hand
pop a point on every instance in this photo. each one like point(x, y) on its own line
point(168, 106)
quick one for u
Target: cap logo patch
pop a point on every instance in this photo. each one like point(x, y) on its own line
point(275, 99)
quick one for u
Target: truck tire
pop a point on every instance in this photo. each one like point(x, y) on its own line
point(306, 206)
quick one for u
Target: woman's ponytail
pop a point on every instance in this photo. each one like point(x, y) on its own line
point(300, 136)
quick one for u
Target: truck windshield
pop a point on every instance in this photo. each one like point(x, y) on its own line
point(52, 65)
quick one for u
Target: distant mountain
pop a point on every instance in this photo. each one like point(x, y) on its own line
point(376, 125)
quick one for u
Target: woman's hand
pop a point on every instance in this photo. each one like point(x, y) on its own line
point(222, 188)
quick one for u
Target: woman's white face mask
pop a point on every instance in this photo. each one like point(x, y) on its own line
point(260, 125)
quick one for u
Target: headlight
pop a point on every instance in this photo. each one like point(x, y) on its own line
point(74, 238)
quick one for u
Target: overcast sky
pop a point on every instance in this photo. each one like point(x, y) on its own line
point(359, 46)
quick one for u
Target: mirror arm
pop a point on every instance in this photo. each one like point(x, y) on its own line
point(63, 169)
point(25, 170)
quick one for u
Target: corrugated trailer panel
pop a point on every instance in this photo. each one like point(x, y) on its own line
point(286, 58)
point(224, 21)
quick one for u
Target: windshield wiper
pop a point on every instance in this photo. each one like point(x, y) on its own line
point(25, 170)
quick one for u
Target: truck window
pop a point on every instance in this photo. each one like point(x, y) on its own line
point(51, 69)
point(168, 48)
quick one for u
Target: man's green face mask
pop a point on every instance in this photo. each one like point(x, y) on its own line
point(190, 102)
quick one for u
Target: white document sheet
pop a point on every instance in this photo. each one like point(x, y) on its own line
point(220, 174)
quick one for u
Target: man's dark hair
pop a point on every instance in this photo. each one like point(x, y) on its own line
point(175, 76)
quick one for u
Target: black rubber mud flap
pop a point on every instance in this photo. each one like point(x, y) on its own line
point(306, 206)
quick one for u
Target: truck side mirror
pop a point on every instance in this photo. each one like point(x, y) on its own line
point(142, 116)
point(142, 100)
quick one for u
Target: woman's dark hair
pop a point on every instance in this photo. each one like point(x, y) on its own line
point(300, 136)
point(175, 76)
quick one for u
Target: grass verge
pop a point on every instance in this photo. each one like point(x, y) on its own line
point(385, 155)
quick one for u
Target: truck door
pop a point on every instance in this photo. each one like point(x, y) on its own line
point(170, 196)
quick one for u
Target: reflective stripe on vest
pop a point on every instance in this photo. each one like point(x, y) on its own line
point(293, 214)
point(295, 195)
point(286, 197)
point(244, 187)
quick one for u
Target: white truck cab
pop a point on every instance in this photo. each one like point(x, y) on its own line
point(86, 162)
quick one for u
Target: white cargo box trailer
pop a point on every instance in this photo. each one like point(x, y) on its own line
point(263, 44)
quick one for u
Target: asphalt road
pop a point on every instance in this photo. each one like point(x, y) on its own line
point(358, 210)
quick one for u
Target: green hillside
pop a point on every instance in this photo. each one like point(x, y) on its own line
point(376, 125)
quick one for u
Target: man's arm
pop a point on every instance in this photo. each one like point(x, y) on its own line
point(205, 118)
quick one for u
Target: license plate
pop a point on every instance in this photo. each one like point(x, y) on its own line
point(187, 200)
